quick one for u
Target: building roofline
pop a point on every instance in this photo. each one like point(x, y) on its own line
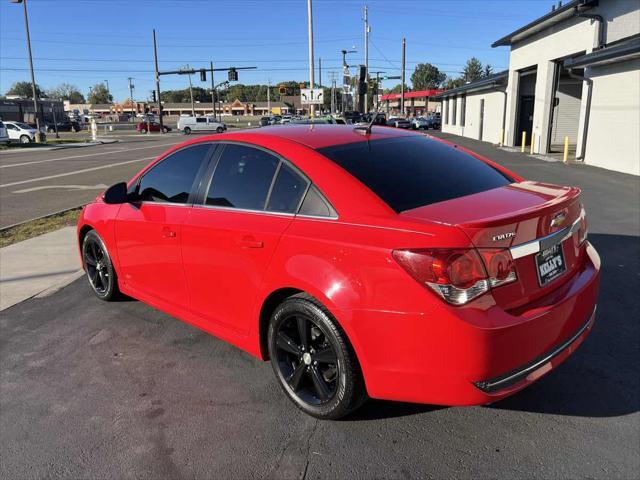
point(553, 17)
point(627, 50)
point(484, 83)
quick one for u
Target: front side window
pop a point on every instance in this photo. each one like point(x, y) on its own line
point(242, 178)
point(172, 179)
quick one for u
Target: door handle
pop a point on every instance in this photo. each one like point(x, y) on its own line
point(250, 242)
point(168, 233)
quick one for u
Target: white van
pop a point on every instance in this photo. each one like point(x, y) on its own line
point(200, 124)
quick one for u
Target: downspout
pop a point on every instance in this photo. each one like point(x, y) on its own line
point(600, 20)
point(585, 126)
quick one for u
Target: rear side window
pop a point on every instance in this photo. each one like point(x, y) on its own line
point(242, 178)
point(201, 120)
point(410, 172)
point(287, 191)
point(172, 179)
point(315, 205)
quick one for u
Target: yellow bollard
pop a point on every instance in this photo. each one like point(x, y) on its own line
point(524, 141)
point(533, 139)
point(565, 156)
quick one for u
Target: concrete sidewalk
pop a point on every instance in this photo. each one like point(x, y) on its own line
point(38, 266)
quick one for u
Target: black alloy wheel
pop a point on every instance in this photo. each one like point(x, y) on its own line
point(98, 266)
point(314, 363)
point(219, 130)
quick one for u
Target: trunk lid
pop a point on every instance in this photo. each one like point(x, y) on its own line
point(517, 217)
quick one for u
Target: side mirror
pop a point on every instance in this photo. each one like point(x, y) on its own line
point(116, 194)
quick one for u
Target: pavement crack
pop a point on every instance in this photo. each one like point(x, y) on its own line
point(309, 437)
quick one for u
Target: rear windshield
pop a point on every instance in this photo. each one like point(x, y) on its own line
point(413, 171)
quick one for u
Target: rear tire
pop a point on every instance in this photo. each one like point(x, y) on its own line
point(98, 267)
point(313, 360)
point(187, 131)
point(219, 130)
point(143, 130)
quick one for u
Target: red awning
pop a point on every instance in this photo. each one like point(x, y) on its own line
point(414, 94)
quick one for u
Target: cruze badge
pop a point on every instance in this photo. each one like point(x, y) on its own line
point(503, 236)
point(557, 220)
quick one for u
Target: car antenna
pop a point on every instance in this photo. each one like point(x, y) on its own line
point(367, 129)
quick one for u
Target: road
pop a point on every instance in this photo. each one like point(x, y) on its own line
point(97, 390)
point(34, 183)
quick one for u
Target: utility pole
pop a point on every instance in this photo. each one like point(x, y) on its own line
point(213, 93)
point(33, 76)
point(106, 82)
point(269, 96)
point(404, 48)
point(193, 108)
point(333, 94)
point(320, 72)
point(366, 57)
point(131, 97)
point(155, 55)
point(311, 79)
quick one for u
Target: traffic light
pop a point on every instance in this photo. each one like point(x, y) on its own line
point(203, 75)
point(153, 95)
point(233, 75)
point(282, 90)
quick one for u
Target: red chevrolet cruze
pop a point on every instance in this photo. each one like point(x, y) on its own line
point(384, 264)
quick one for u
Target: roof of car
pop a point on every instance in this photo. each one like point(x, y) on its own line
point(324, 135)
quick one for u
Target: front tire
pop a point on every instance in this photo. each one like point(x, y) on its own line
point(98, 267)
point(187, 131)
point(219, 130)
point(312, 359)
point(143, 130)
point(25, 139)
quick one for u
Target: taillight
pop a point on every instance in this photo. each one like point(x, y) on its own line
point(458, 275)
point(583, 230)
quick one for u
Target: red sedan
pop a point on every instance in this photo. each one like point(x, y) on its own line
point(144, 127)
point(384, 264)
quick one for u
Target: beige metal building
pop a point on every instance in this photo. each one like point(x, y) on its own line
point(573, 74)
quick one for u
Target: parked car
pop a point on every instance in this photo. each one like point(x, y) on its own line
point(21, 132)
point(419, 123)
point(265, 121)
point(275, 119)
point(144, 127)
point(285, 119)
point(200, 124)
point(352, 116)
point(398, 122)
point(385, 264)
point(314, 121)
point(433, 121)
point(63, 126)
point(4, 136)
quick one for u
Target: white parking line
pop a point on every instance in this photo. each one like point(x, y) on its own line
point(86, 155)
point(84, 170)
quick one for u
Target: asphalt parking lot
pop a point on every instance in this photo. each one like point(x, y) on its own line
point(96, 390)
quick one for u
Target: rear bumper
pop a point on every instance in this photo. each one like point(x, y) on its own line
point(477, 355)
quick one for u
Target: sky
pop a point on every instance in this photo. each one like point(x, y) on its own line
point(84, 42)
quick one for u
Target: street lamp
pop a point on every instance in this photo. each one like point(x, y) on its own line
point(33, 77)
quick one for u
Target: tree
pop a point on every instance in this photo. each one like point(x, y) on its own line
point(488, 70)
point(453, 83)
point(427, 77)
point(396, 89)
point(24, 90)
point(472, 70)
point(66, 91)
point(99, 94)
